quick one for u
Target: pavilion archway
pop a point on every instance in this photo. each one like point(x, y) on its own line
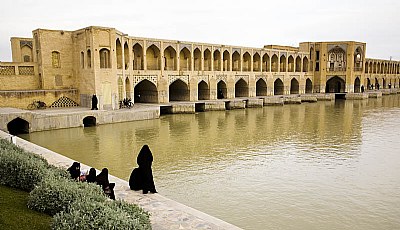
point(221, 90)
point(261, 88)
point(18, 126)
point(178, 91)
point(241, 88)
point(146, 92)
point(335, 85)
point(294, 86)
point(278, 87)
point(203, 91)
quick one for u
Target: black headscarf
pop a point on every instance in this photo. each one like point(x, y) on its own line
point(91, 177)
point(75, 170)
point(145, 157)
point(102, 178)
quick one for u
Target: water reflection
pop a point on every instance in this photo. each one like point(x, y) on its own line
point(325, 165)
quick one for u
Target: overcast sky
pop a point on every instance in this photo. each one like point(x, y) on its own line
point(251, 23)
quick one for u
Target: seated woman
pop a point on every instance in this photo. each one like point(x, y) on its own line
point(142, 178)
point(91, 177)
point(75, 170)
point(102, 180)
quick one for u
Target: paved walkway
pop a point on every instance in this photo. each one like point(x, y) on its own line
point(165, 213)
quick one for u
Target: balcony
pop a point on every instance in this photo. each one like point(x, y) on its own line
point(357, 68)
point(337, 69)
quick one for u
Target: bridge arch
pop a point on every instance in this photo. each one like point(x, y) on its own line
point(89, 121)
point(203, 91)
point(221, 90)
point(357, 85)
point(294, 86)
point(241, 88)
point(18, 126)
point(335, 85)
point(178, 91)
point(278, 87)
point(261, 88)
point(145, 92)
point(309, 86)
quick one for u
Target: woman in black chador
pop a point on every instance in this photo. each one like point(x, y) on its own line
point(142, 177)
point(91, 177)
point(94, 102)
point(75, 170)
point(102, 180)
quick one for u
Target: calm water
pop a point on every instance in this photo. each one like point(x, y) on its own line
point(326, 165)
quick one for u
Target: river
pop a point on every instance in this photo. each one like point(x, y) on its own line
point(324, 165)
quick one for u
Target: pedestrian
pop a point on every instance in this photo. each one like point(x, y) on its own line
point(142, 177)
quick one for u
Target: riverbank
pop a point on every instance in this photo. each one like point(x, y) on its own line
point(165, 213)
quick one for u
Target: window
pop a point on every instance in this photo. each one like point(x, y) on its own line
point(317, 55)
point(82, 60)
point(55, 59)
point(89, 59)
point(27, 58)
point(104, 58)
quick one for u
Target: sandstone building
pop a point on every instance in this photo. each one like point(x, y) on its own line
point(65, 68)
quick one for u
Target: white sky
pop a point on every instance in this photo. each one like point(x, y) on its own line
point(251, 23)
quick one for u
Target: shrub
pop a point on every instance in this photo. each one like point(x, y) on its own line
point(102, 215)
point(22, 169)
point(55, 194)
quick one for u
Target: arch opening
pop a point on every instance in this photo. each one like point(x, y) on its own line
point(89, 121)
point(335, 85)
point(145, 92)
point(221, 90)
point(309, 86)
point(241, 88)
point(261, 88)
point(178, 91)
point(18, 126)
point(203, 91)
point(357, 85)
point(294, 86)
point(278, 87)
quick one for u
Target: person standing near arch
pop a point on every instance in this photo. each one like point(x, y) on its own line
point(94, 102)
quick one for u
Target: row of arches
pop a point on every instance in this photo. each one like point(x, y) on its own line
point(146, 91)
point(153, 59)
point(382, 67)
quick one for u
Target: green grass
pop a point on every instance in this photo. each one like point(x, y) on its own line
point(14, 214)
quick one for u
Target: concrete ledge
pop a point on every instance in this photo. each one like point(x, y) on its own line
point(254, 103)
point(374, 94)
point(183, 108)
point(165, 213)
point(292, 99)
point(385, 91)
point(235, 104)
point(215, 106)
point(325, 97)
point(308, 98)
point(270, 101)
point(356, 96)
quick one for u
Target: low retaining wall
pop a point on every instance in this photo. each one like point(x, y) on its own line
point(325, 97)
point(215, 106)
point(165, 213)
point(374, 94)
point(41, 120)
point(277, 100)
point(308, 98)
point(292, 99)
point(356, 96)
point(254, 103)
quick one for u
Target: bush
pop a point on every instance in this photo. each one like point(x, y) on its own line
point(18, 169)
point(102, 215)
point(55, 194)
point(23, 170)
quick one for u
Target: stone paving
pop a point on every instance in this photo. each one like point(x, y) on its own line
point(165, 213)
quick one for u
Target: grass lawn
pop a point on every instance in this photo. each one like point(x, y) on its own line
point(14, 214)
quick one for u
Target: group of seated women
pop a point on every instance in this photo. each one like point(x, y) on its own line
point(90, 177)
point(141, 178)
